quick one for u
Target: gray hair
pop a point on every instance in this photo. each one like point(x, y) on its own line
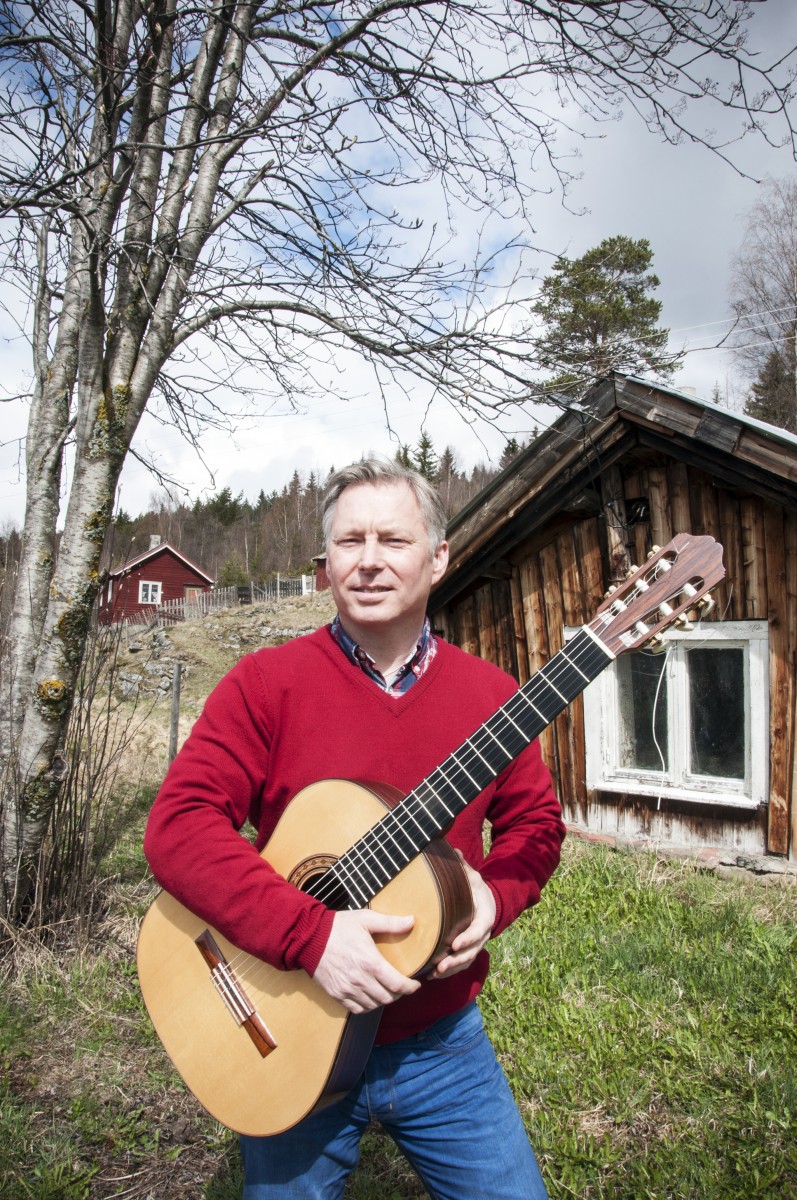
point(378, 471)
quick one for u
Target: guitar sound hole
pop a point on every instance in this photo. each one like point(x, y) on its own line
point(314, 877)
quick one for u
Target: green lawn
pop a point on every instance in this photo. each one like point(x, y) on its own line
point(644, 1012)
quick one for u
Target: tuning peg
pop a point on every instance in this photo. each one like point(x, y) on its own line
point(683, 624)
point(705, 605)
point(631, 572)
point(656, 644)
point(654, 550)
point(610, 592)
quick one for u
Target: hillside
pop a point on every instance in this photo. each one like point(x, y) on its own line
point(206, 648)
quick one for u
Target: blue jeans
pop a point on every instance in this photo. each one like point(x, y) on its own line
point(442, 1097)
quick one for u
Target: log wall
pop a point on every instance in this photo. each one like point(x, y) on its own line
point(557, 578)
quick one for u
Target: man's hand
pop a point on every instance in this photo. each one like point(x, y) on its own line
point(466, 945)
point(352, 970)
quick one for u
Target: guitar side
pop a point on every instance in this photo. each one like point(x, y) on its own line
point(319, 1048)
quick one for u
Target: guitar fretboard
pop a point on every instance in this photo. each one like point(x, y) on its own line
point(406, 830)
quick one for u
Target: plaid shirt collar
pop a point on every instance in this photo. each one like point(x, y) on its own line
point(409, 673)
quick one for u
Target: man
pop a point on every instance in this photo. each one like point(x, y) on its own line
point(374, 696)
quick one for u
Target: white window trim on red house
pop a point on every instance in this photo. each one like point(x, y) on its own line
point(149, 591)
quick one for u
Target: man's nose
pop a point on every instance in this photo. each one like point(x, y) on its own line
point(370, 554)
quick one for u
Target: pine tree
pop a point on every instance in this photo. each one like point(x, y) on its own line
point(599, 317)
point(772, 396)
point(511, 451)
point(424, 457)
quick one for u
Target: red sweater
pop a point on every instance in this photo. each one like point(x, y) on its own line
point(295, 714)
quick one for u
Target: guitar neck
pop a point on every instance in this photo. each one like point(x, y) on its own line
point(406, 830)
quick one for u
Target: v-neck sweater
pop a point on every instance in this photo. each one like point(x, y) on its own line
point(289, 716)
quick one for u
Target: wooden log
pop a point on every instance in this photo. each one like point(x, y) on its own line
point(467, 626)
point(613, 496)
point(680, 509)
point(575, 613)
point(519, 628)
point(570, 581)
point(485, 617)
point(504, 633)
point(588, 551)
point(754, 559)
point(781, 683)
point(537, 641)
point(660, 517)
point(636, 488)
point(730, 595)
point(555, 621)
point(790, 543)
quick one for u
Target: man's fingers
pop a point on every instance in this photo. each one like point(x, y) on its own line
point(353, 971)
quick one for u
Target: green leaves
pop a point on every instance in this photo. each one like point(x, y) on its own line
point(598, 316)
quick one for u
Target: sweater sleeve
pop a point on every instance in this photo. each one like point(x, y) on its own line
point(193, 840)
point(527, 831)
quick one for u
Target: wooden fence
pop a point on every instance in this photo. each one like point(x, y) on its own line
point(173, 612)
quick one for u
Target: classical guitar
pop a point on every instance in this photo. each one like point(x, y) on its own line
point(261, 1048)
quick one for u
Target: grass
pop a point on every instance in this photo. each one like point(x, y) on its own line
point(644, 1013)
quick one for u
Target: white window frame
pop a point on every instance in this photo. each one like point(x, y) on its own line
point(602, 725)
point(155, 591)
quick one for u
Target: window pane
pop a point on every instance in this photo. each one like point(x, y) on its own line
point(638, 679)
point(716, 706)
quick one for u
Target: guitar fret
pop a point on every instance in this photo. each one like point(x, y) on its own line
point(407, 807)
point(531, 705)
point(573, 663)
point(498, 743)
point(476, 750)
point(517, 727)
point(372, 869)
point(428, 784)
point(421, 816)
point(348, 878)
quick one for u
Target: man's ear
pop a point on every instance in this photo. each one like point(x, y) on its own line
point(439, 562)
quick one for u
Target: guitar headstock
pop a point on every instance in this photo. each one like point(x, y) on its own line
point(673, 580)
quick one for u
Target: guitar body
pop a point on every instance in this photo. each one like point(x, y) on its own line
point(320, 1049)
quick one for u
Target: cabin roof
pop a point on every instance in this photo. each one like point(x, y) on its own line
point(559, 471)
point(153, 552)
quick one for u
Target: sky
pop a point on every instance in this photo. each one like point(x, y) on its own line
point(687, 202)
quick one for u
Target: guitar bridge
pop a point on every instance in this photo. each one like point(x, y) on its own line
point(235, 998)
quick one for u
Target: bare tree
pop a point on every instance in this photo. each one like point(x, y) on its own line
point(198, 197)
point(764, 298)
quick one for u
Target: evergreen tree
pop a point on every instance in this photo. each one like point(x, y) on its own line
point(511, 451)
point(224, 507)
point(599, 317)
point(772, 397)
point(425, 458)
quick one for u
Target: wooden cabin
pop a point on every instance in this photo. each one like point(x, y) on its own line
point(160, 574)
point(694, 748)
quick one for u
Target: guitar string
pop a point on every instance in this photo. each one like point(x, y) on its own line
point(583, 648)
point(373, 846)
point(391, 825)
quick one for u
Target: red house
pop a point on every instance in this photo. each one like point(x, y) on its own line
point(143, 583)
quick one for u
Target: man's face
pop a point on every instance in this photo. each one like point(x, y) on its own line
point(378, 558)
